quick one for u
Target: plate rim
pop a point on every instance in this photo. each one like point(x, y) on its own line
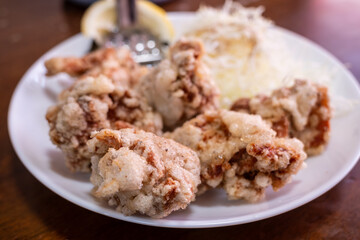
point(175, 223)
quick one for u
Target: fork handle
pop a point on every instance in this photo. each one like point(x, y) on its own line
point(126, 13)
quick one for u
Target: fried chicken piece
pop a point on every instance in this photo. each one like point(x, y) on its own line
point(180, 87)
point(103, 96)
point(137, 171)
point(240, 152)
point(301, 111)
point(116, 64)
point(93, 104)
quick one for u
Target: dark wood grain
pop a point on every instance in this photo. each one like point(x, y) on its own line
point(29, 210)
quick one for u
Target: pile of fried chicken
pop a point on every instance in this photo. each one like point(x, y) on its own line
point(154, 138)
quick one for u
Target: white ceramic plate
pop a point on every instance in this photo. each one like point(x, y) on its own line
point(29, 134)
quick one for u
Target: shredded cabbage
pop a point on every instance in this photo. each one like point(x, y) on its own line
point(244, 56)
point(247, 57)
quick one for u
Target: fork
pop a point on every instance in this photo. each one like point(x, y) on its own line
point(145, 48)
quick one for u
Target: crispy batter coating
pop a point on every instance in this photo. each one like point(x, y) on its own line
point(302, 111)
point(126, 103)
point(93, 104)
point(240, 152)
point(137, 171)
point(180, 87)
point(102, 96)
point(116, 64)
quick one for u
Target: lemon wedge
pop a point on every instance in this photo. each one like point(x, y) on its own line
point(100, 19)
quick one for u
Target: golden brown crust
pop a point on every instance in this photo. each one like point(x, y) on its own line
point(76, 116)
point(140, 172)
point(93, 103)
point(180, 87)
point(116, 64)
point(240, 153)
point(302, 111)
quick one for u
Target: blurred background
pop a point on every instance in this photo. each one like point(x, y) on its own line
point(25, 22)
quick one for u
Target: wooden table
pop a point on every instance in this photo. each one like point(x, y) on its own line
point(29, 210)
